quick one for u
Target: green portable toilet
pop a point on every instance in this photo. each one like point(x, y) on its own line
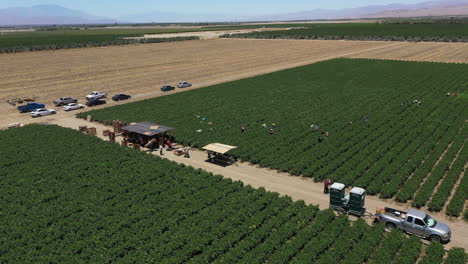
point(357, 197)
point(337, 195)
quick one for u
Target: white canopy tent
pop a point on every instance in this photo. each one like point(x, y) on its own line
point(218, 147)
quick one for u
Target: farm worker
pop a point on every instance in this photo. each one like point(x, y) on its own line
point(169, 145)
point(272, 131)
point(366, 118)
point(273, 126)
point(264, 125)
point(161, 149)
point(242, 129)
point(448, 94)
point(327, 134)
point(326, 185)
point(187, 152)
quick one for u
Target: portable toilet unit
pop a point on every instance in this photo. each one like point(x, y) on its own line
point(337, 193)
point(357, 197)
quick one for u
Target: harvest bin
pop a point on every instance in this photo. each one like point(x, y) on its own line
point(357, 197)
point(337, 195)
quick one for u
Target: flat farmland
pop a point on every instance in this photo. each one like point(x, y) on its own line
point(141, 69)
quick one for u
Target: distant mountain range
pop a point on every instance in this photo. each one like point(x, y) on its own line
point(57, 15)
point(48, 15)
point(434, 8)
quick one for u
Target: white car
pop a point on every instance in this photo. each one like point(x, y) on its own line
point(42, 112)
point(72, 106)
point(184, 84)
point(96, 95)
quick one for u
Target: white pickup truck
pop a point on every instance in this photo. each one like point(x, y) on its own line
point(415, 222)
point(96, 95)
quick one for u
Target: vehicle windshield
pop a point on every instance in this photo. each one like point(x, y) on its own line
point(431, 222)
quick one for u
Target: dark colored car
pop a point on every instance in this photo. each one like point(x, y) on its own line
point(119, 97)
point(30, 107)
point(167, 88)
point(95, 102)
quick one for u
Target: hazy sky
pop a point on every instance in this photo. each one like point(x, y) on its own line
point(116, 8)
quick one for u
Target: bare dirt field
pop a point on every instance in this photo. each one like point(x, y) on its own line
point(140, 70)
point(207, 34)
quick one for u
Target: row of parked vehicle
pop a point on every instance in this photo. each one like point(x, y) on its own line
point(167, 88)
point(69, 104)
point(92, 99)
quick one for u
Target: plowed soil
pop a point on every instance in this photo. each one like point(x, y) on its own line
point(141, 70)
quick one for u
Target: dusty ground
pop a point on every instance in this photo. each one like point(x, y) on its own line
point(207, 34)
point(141, 70)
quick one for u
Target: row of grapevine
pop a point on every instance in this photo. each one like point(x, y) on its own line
point(446, 187)
point(456, 256)
point(86, 44)
point(368, 31)
point(457, 203)
point(444, 167)
point(434, 254)
point(410, 121)
point(116, 204)
point(390, 244)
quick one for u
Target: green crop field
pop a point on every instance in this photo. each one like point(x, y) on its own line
point(69, 197)
point(69, 38)
point(413, 140)
point(369, 31)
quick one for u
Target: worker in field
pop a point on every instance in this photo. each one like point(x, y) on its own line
point(161, 149)
point(242, 129)
point(272, 131)
point(326, 185)
point(366, 118)
point(273, 126)
point(187, 152)
point(169, 145)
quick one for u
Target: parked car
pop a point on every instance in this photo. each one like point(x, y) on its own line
point(30, 107)
point(415, 222)
point(119, 97)
point(94, 102)
point(72, 106)
point(184, 84)
point(42, 112)
point(64, 101)
point(96, 95)
point(166, 88)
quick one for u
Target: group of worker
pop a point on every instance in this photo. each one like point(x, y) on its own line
point(271, 131)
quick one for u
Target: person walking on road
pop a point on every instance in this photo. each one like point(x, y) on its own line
point(326, 185)
point(187, 152)
point(161, 149)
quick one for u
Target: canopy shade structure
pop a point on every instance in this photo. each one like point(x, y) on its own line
point(146, 128)
point(218, 147)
